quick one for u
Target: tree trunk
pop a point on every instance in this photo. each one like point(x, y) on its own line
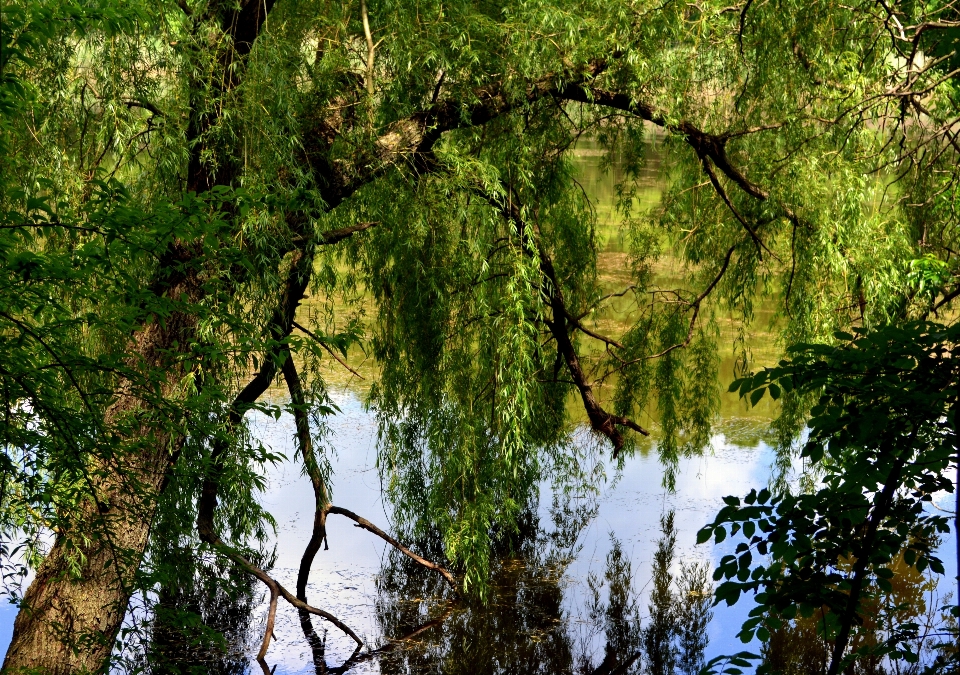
point(71, 613)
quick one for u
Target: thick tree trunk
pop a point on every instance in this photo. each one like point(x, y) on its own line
point(71, 613)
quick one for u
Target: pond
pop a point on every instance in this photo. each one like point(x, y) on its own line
point(573, 593)
point(540, 617)
point(581, 576)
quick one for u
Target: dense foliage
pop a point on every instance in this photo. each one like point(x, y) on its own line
point(883, 434)
point(179, 177)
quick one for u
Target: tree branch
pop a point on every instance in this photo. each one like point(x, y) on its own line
point(328, 350)
point(601, 421)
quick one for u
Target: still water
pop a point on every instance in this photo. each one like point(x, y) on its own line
point(574, 588)
point(356, 579)
point(542, 617)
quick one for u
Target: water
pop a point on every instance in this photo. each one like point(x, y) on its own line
point(546, 597)
point(344, 578)
point(543, 616)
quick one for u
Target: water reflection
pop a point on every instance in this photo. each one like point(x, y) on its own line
point(523, 627)
point(202, 620)
point(567, 594)
point(526, 626)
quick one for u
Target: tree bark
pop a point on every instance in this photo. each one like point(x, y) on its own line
point(71, 613)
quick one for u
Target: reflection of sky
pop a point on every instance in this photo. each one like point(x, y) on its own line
point(343, 577)
point(630, 508)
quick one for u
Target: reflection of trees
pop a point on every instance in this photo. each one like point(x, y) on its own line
point(618, 619)
point(911, 604)
point(524, 627)
point(521, 628)
point(201, 620)
point(676, 635)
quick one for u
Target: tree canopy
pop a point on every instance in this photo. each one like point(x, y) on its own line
point(178, 177)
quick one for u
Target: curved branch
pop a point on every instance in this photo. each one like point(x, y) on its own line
point(695, 304)
point(279, 328)
point(321, 495)
point(209, 535)
point(370, 527)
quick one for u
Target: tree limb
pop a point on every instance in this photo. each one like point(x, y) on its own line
point(601, 421)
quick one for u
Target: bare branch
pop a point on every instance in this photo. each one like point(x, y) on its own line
point(325, 346)
point(370, 527)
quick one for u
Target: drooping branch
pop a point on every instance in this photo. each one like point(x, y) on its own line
point(601, 421)
point(321, 495)
point(316, 338)
point(280, 326)
point(718, 188)
point(695, 306)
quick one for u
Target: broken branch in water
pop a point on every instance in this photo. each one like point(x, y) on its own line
point(323, 507)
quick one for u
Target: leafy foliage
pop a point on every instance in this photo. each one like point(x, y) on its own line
point(883, 435)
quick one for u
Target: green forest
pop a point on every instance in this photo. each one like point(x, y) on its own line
point(215, 211)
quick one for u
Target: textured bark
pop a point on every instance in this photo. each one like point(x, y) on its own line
point(72, 611)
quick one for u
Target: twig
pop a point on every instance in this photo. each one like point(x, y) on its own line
point(332, 353)
point(602, 298)
point(370, 46)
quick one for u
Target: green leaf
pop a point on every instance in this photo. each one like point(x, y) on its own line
point(704, 535)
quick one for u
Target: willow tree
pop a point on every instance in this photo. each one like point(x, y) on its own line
point(256, 150)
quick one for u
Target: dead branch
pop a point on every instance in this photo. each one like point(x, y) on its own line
point(209, 535)
point(370, 527)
